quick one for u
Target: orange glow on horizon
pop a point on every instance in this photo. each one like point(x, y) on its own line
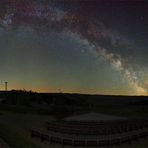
point(47, 89)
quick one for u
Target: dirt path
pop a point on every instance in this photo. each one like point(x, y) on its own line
point(3, 144)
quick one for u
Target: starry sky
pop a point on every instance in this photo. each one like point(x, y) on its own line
point(75, 46)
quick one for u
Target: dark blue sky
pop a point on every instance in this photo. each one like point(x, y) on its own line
point(75, 46)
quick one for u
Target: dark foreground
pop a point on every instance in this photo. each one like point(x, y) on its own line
point(23, 118)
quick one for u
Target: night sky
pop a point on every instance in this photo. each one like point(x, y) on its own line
point(74, 46)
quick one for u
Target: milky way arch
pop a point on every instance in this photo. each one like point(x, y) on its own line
point(46, 15)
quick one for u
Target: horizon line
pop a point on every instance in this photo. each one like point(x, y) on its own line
point(77, 93)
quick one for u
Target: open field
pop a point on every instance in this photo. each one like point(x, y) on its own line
point(14, 129)
point(18, 114)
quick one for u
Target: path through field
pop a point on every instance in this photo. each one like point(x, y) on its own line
point(3, 144)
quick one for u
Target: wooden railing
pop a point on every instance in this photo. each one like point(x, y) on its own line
point(98, 128)
point(93, 133)
point(105, 140)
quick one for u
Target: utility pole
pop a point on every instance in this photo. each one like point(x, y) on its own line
point(6, 84)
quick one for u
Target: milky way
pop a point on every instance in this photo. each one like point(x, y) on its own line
point(102, 40)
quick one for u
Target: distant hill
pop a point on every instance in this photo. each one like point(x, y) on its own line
point(64, 104)
point(22, 96)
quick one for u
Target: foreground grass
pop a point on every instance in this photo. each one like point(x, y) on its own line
point(59, 111)
point(15, 139)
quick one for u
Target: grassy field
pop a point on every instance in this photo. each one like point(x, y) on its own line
point(14, 138)
point(14, 129)
point(18, 114)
